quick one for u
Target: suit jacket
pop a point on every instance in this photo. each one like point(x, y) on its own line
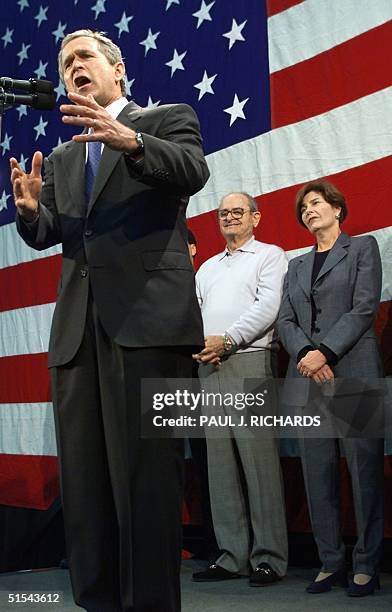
point(130, 245)
point(346, 295)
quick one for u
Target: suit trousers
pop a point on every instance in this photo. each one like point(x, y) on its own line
point(365, 461)
point(246, 489)
point(122, 495)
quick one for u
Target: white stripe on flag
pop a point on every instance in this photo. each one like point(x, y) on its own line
point(27, 429)
point(14, 251)
point(315, 26)
point(25, 330)
point(345, 137)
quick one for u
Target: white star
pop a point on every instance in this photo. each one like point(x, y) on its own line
point(205, 84)
point(23, 53)
point(40, 128)
point(176, 62)
point(3, 200)
point(75, 2)
point(203, 14)
point(5, 144)
point(7, 37)
point(23, 4)
point(22, 110)
point(170, 2)
point(235, 33)
point(151, 104)
point(128, 85)
point(122, 25)
point(41, 70)
point(60, 90)
point(235, 111)
point(59, 142)
point(41, 15)
point(149, 42)
point(22, 162)
point(99, 7)
point(59, 32)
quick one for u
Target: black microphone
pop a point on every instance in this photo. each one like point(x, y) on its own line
point(33, 85)
point(39, 101)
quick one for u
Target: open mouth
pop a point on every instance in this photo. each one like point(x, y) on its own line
point(81, 81)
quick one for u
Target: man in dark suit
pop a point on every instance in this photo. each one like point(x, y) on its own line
point(126, 310)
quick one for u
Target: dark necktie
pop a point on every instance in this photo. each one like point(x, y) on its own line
point(93, 158)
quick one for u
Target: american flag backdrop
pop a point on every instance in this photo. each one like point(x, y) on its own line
point(286, 91)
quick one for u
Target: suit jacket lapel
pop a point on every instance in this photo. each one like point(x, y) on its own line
point(74, 158)
point(338, 251)
point(128, 116)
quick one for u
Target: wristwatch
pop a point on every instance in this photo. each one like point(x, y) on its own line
point(137, 164)
point(139, 142)
point(229, 345)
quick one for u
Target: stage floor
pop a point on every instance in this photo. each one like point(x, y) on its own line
point(230, 596)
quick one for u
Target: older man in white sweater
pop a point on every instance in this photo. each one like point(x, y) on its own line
point(239, 292)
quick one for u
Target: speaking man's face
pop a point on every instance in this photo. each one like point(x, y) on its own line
point(88, 71)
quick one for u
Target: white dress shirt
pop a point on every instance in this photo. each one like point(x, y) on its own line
point(114, 109)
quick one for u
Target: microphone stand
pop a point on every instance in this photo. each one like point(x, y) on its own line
point(2, 107)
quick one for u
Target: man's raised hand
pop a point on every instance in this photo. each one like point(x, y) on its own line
point(27, 187)
point(86, 112)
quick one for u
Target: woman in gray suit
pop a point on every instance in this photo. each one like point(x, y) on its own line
point(330, 299)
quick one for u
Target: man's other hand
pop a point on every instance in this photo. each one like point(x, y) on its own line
point(213, 350)
point(27, 187)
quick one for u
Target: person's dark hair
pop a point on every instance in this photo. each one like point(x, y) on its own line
point(110, 50)
point(191, 238)
point(330, 194)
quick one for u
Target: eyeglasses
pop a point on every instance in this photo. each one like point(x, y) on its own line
point(236, 213)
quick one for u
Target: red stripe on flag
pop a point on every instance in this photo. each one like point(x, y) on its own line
point(24, 379)
point(338, 76)
point(209, 239)
point(30, 284)
point(28, 481)
point(277, 6)
point(367, 189)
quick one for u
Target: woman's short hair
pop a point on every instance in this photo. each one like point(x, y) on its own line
point(330, 194)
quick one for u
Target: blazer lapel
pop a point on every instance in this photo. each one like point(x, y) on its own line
point(128, 116)
point(74, 168)
point(304, 271)
point(337, 253)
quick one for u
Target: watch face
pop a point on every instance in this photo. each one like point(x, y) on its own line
point(139, 140)
point(227, 343)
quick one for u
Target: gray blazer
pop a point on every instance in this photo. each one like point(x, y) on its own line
point(346, 295)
